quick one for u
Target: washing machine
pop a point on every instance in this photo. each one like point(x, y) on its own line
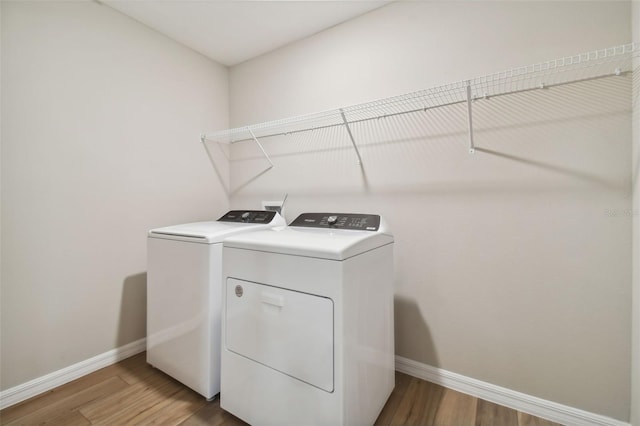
point(184, 285)
point(307, 322)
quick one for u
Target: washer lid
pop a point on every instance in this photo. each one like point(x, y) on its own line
point(333, 244)
point(212, 231)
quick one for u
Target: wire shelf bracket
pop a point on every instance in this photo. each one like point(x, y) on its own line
point(472, 148)
point(253, 136)
point(353, 142)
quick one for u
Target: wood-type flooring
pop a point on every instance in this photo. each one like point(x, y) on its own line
point(132, 392)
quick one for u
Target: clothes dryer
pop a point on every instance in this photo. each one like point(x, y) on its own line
point(184, 285)
point(307, 322)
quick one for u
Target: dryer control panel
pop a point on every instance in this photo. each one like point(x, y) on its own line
point(356, 221)
point(248, 216)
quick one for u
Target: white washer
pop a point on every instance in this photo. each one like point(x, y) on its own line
point(184, 282)
point(307, 322)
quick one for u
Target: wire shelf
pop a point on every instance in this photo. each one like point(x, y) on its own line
point(596, 64)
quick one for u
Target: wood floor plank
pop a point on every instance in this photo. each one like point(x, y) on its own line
point(407, 404)
point(490, 414)
point(70, 418)
point(456, 409)
point(419, 404)
point(525, 419)
point(212, 415)
point(390, 408)
point(122, 368)
point(137, 370)
point(173, 410)
point(62, 410)
point(431, 401)
point(129, 402)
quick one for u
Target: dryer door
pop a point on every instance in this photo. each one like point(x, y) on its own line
point(288, 331)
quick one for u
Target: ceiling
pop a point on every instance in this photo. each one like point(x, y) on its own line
point(233, 31)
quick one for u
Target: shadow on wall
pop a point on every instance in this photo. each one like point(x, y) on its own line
point(412, 332)
point(574, 173)
point(132, 324)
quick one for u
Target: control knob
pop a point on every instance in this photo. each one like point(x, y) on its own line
point(331, 220)
point(245, 216)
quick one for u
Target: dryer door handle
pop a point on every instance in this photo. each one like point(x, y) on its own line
point(272, 299)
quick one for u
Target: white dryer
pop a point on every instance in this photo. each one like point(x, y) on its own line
point(184, 285)
point(307, 322)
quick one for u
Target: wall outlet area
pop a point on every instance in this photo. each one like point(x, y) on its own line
point(275, 206)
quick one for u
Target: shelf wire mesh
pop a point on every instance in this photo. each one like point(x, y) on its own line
point(616, 60)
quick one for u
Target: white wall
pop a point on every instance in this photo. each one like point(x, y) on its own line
point(100, 143)
point(513, 266)
point(635, 368)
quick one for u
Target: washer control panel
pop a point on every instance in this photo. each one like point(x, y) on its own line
point(357, 221)
point(248, 216)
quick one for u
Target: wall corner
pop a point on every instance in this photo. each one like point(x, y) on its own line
point(635, 326)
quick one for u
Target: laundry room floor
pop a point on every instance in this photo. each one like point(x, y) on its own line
point(132, 392)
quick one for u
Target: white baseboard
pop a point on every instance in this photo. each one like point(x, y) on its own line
point(518, 401)
point(45, 383)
